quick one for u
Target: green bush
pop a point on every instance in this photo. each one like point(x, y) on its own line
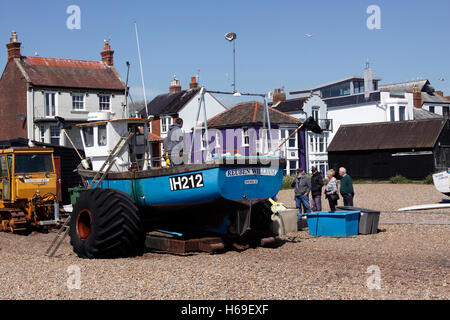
point(287, 180)
point(428, 179)
point(399, 179)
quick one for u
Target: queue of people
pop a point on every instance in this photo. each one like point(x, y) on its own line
point(304, 186)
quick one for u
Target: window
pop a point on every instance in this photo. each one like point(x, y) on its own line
point(322, 166)
point(431, 109)
point(78, 101)
point(401, 113)
point(88, 136)
point(217, 139)
point(446, 111)
point(50, 104)
point(102, 141)
point(245, 137)
point(105, 102)
point(336, 90)
point(375, 85)
point(315, 113)
point(54, 134)
point(166, 122)
point(3, 167)
point(293, 139)
point(42, 133)
point(358, 86)
point(292, 166)
point(318, 143)
point(32, 163)
point(392, 109)
point(204, 142)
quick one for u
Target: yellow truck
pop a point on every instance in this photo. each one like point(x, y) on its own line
point(28, 189)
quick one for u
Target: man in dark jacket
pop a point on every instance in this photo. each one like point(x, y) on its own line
point(302, 186)
point(174, 143)
point(316, 189)
point(347, 191)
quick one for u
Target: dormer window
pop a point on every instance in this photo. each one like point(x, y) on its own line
point(104, 102)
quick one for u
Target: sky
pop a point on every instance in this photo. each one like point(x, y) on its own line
point(272, 49)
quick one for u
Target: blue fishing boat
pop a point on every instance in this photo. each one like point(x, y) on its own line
point(125, 197)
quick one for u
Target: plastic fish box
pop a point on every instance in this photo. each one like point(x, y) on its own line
point(333, 224)
point(368, 219)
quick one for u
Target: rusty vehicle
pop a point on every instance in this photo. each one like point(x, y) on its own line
point(28, 190)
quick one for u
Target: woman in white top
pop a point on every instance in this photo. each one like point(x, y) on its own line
point(331, 191)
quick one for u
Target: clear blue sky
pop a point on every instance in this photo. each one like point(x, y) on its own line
point(180, 37)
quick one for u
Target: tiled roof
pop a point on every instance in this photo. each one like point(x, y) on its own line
point(291, 105)
point(170, 103)
point(421, 114)
point(249, 113)
point(423, 85)
point(434, 98)
point(69, 73)
point(414, 134)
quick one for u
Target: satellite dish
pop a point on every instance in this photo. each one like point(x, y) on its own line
point(230, 36)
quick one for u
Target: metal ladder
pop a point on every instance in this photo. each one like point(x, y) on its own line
point(64, 230)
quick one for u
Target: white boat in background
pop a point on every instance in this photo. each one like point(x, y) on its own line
point(442, 182)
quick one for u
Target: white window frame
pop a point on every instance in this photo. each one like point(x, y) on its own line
point(166, 122)
point(218, 134)
point(204, 143)
point(42, 130)
point(52, 136)
point(49, 108)
point(80, 102)
point(245, 135)
point(102, 104)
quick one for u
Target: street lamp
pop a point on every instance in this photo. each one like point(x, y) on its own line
point(231, 36)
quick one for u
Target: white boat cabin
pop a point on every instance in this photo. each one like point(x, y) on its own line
point(102, 136)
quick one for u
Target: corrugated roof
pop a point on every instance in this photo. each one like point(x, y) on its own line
point(414, 134)
point(170, 103)
point(249, 113)
point(291, 105)
point(70, 73)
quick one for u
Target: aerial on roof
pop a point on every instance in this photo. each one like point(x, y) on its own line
point(249, 113)
point(291, 105)
point(69, 73)
point(413, 134)
point(169, 103)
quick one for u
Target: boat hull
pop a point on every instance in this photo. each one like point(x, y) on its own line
point(190, 187)
point(442, 182)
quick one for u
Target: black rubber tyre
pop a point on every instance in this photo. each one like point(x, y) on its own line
point(105, 223)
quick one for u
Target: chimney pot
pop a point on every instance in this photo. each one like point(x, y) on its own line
point(193, 84)
point(107, 54)
point(13, 47)
point(175, 85)
point(279, 96)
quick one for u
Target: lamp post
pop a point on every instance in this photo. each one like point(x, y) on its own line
point(231, 36)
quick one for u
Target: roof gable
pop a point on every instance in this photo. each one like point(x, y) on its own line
point(249, 113)
point(388, 135)
point(291, 105)
point(70, 73)
point(170, 103)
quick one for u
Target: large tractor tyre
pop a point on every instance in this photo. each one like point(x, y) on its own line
point(105, 223)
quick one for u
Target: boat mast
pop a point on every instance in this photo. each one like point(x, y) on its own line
point(140, 64)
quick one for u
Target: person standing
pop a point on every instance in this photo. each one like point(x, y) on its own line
point(316, 189)
point(174, 143)
point(347, 191)
point(302, 185)
point(331, 190)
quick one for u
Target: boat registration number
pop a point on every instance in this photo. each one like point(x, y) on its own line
point(190, 181)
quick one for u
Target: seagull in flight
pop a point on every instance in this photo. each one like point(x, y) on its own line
point(441, 79)
point(309, 35)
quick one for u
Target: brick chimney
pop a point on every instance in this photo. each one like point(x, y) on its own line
point(439, 93)
point(194, 83)
point(13, 47)
point(175, 85)
point(107, 55)
point(417, 96)
point(279, 96)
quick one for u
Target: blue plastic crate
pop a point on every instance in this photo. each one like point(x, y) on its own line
point(333, 224)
